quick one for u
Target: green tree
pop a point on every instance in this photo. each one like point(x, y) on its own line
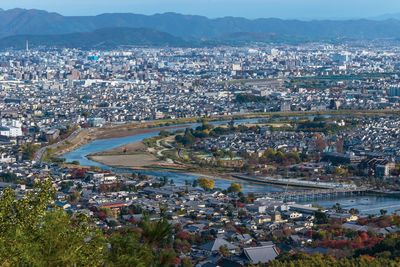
point(31, 234)
point(186, 262)
point(29, 150)
point(235, 188)
point(127, 250)
point(156, 233)
point(320, 217)
point(224, 251)
point(8, 177)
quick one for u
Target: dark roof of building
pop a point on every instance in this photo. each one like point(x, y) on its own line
point(262, 254)
point(216, 244)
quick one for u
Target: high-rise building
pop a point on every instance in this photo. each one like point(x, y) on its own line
point(394, 91)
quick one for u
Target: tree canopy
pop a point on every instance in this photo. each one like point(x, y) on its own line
point(34, 232)
point(206, 183)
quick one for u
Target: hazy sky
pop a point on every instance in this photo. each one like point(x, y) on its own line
point(218, 8)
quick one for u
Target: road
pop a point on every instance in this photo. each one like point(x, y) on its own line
point(40, 153)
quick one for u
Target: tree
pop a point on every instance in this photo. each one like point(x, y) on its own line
point(29, 150)
point(156, 234)
point(320, 217)
point(340, 171)
point(8, 177)
point(337, 207)
point(354, 211)
point(127, 250)
point(33, 235)
point(187, 139)
point(320, 143)
point(235, 188)
point(318, 260)
point(186, 262)
point(224, 251)
point(206, 183)
point(164, 133)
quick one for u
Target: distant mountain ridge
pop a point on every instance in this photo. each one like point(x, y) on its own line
point(102, 38)
point(391, 16)
point(191, 28)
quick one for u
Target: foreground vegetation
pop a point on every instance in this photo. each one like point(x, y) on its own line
point(303, 260)
point(34, 232)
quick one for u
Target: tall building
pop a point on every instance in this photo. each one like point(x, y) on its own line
point(394, 91)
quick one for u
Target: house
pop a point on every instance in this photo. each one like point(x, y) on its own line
point(263, 219)
point(244, 238)
point(261, 254)
point(293, 215)
point(355, 227)
point(52, 135)
point(215, 245)
point(344, 216)
point(63, 204)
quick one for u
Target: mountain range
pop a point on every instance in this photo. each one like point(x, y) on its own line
point(101, 38)
point(42, 27)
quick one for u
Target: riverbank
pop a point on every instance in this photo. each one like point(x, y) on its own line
point(91, 134)
point(132, 156)
point(123, 130)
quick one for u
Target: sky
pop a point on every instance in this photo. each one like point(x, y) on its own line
point(299, 9)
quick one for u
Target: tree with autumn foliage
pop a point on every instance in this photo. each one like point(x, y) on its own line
point(319, 260)
point(235, 188)
point(320, 143)
point(206, 183)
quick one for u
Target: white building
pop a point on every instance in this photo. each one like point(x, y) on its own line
point(11, 128)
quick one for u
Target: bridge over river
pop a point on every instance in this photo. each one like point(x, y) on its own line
point(293, 182)
point(318, 194)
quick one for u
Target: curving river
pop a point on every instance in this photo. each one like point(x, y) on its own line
point(366, 204)
point(81, 153)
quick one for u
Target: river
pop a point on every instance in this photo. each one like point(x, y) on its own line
point(81, 153)
point(366, 204)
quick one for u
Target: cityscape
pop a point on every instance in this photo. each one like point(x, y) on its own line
point(193, 149)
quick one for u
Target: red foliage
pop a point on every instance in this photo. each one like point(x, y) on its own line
point(176, 261)
point(362, 221)
point(363, 236)
point(184, 235)
point(240, 205)
point(101, 215)
point(78, 173)
point(363, 240)
point(309, 233)
point(178, 227)
point(241, 230)
point(384, 222)
point(132, 220)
